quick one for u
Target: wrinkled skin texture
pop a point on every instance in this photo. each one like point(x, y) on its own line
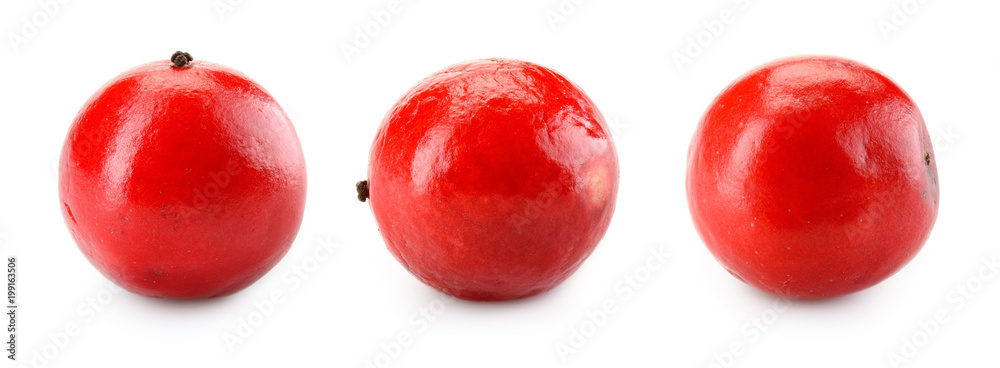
point(493, 179)
point(812, 177)
point(182, 182)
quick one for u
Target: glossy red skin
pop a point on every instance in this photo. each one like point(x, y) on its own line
point(142, 179)
point(493, 179)
point(807, 178)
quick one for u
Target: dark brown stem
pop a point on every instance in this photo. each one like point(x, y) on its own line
point(181, 59)
point(362, 187)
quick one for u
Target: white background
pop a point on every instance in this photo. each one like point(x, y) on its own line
point(352, 305)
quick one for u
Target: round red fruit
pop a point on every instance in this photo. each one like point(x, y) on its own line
point(812, 177)
point(493, 179)
point(182, 179)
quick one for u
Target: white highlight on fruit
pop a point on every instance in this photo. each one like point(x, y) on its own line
point(431, 157)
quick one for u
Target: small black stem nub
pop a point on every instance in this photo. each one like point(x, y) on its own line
point(181, 59)
point(362, 187)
